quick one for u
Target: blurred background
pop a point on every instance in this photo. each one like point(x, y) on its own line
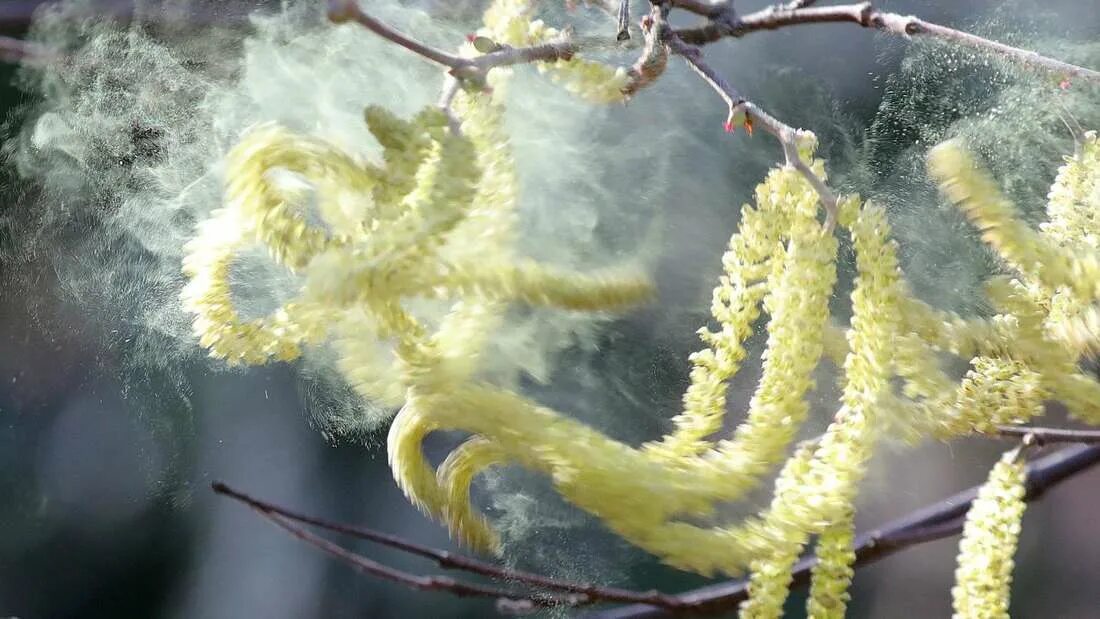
point(113, 424)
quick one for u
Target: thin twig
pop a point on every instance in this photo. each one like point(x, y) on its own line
point(623, 19)
point(447, 560)
point(446, 99)
point(341, 11)
point(788, 136)
point(1047, 436)
point(415, 581)
point(936, 521)
point(865, 15)
point(471, 70)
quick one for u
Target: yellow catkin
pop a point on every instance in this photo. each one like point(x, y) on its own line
point(823, 491)
point(617, 482)
point(798, 305)
point(994, 392)
point(800, 282)
point(411, 469)
point(832, 575)
point(455, 475)
point(770, 580)
point(1047, 331)
point(1042, 263)
point(1074, 198)
point(509, 22)
point(754, 252)
point(533, 284)
point(984, 574)
point(433, 221)
point(1074, 224)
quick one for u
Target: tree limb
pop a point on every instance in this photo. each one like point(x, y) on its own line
point(936, 521)
point(342, 11)
point(580, 593)
point(1046, 436)
point(865, 15)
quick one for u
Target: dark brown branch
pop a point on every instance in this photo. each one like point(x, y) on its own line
point(937, 521)
point(864, 14)
point(581, 593)
point(415, 581)
point(940, 520)
point(1047, 436)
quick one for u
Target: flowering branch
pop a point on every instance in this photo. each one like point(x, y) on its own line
point(449, 181)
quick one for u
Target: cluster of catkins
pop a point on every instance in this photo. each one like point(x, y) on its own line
point(433, 220)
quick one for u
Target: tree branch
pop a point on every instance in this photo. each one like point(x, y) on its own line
point(937, 521)
point(415, 581)
point(864, 14)
point(1046, 436)
point(580, 593)
point(342, 11)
